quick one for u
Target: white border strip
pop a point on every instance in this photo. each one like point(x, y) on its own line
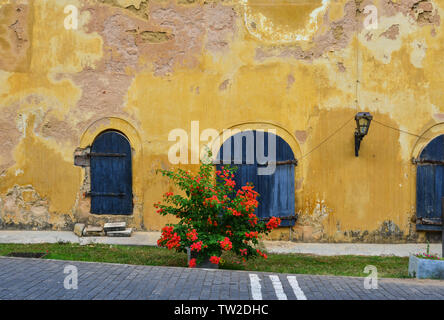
point(255, 286)
point(296, 289)
point(280, 294)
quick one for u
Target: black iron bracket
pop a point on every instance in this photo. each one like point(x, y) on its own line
point(104, 194)
point(292, 217)
point(101, 154)
point(358, 139)
point(425, 161)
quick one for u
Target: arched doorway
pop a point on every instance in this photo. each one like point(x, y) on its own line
point(111, 174)
point(267, 161)
point(430, 185)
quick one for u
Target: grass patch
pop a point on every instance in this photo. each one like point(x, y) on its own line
point(138, 255)
point(388, 267)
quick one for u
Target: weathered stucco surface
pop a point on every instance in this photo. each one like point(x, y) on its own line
point(146, 67)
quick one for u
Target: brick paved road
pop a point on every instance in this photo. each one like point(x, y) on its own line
point(44, 279)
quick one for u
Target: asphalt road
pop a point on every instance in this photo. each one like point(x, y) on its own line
point(37, 279)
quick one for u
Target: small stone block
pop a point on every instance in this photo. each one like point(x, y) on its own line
point(81, 157)
point(78, 229)
point(114, 226)
point(93, 231)
point(121, 233)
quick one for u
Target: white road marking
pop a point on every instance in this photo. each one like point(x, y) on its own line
point(255, 287)
point(280, 294)
point(296, 289)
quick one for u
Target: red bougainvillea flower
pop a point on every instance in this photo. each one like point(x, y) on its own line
point(192, 263)
point(253, 219)
point(192, 235)
point(214, 259)
point(226, 244)
point(167, 234)
point(234, 212)
point(167, 229)
point(174, 242)
point(273, 223)
point(243, 252)
point(263, 255)
point(251, 235)
point(230, 183)
point(196, 246)
point(211, 201)
point(248, 198)
point(211, 222)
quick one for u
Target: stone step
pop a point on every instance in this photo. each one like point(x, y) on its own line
point(122, 233)
point(78, 229)
point(91, 231)
point(114, 226)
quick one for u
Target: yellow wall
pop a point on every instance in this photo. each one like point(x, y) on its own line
point(148, 67)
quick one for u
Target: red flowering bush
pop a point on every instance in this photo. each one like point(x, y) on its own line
point(192, 263)
point(214, 260)
point(226, 244)
point(212, 217)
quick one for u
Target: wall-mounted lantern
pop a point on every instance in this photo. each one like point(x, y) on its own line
point(363, 120)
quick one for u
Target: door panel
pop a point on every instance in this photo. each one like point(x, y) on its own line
point(438, 192)
point(425, 191)
point(111, 174)
point(276, 191)
point(430, 185)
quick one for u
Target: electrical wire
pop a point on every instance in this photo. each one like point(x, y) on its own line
point(373, 120)
point(403, 131)
point(328, 138)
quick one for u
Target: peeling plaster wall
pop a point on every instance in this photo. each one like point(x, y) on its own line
point(151, 66)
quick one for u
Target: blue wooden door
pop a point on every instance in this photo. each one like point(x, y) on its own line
point(430, 185)
point(111, 174)
point(276, 190)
